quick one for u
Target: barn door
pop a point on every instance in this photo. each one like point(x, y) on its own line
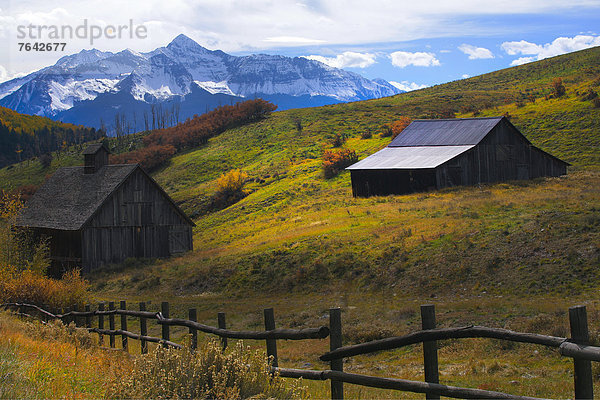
point(178, 240)
point(522, 171)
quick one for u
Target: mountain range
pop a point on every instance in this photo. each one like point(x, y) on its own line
point(93, 87)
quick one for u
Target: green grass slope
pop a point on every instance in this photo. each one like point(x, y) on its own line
point(297, 230)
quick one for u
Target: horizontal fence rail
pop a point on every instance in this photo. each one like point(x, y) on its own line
point(398, 384)
point(440, 334)
point(577, 347)
point(287, 334)
point(135, 336)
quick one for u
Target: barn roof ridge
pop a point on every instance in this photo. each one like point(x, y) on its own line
point(446, 132)
point(458, 119)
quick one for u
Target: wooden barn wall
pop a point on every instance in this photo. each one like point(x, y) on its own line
point(137, 221)
point(367, 183)
point(503, 155)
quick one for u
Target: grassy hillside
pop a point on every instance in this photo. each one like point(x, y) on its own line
point(298, 230)
point(513, 255)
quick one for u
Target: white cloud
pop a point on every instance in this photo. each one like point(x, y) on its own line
point(348, 59)
point(258, 25)
point(419, 59)
point(445, 51)
point(295, 40)
point(407, 86)
point(475, 53)
point(561, 45)
point(521, 47)
point(3, 74)
point(465, 76)
point(522, 60)
point(6, 75)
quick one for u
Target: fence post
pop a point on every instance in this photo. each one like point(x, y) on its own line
point(88, 318)
point(44, 316)
point(584, 387)
point(143, 329)
point(66, 320)
point(123, 306)
point(335, 341)
point(111, 323)
point(430, 356)
point(222, 325)
point(271, 343)
point(75, 317)
point(193, 316)
point(164, 309)
point(100, 323)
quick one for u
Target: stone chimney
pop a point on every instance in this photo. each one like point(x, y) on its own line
point(96, 157)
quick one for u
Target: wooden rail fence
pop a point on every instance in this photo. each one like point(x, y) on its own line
point(576, 347)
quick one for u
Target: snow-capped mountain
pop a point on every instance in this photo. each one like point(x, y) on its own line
point(93, 86)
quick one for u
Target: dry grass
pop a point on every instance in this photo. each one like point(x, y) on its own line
point(50, 363)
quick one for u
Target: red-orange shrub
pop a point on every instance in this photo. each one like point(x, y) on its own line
point(335, 161)
point(395, 127)
point(30, 287)
point(150, 157)
point(558, 89)
point(398, 126)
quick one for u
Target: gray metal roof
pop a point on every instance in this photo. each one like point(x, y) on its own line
point(445, 132)
point(410, 157)
point(69, 198)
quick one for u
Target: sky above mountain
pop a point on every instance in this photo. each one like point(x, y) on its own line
point(410, 43)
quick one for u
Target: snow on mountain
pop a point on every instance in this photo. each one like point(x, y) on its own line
point(11, 86)
point(215, 87)
point(170, 74)
point(65, 95)
point(83, 57)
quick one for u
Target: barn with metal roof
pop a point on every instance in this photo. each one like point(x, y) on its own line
point(100, 213)
point(433, 154)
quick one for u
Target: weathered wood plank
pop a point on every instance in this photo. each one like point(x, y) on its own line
point(441, 334)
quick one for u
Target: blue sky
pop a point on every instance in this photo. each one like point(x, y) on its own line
point(407, 42)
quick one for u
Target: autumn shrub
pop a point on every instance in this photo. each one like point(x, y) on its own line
point(207, 373)
point(28, 286)
point(386, 130)
point(395, 128)
point(336, 160)
point(25, 192)
point(366, 134)
point(230, 188)
point(398, 126)
point(558, 89)
point(150, 158)
point(338, 140)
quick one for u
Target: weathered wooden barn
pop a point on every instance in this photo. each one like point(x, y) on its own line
point(100, 213)
point(433, 154)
